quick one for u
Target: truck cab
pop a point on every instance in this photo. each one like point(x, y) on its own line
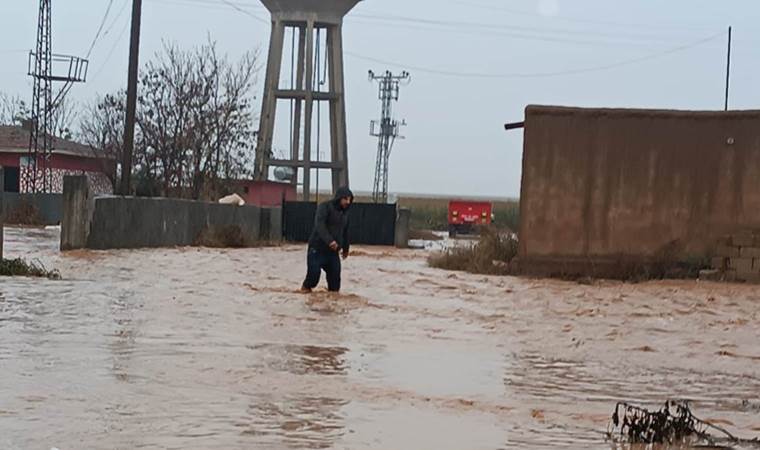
point(466, 217)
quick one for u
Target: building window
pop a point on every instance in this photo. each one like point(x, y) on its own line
point(12, 179)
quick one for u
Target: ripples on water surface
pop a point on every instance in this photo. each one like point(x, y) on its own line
point(199, 348)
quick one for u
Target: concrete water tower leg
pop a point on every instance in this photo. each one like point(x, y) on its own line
point(295, 154)
point(269, 101)
point(337, 107)
point(306, 17)
point(309, 110)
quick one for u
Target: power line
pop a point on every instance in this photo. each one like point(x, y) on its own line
point(100, 28)
point(216, 5)
point(513, 35)
point(503, 75)
point(504, 27)
point(112, 50)
point(476, 28)
point(209, 3)
point(578, 20)
point(247, 13)
point(540, 74)
point(116, 19)
point(491, 29)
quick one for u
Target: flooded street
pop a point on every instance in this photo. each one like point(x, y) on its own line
point(204, 348)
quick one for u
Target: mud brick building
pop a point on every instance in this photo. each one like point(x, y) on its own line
point(604, 185)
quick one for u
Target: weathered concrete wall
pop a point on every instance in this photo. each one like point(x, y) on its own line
point(127, 222)
point(134, 222)
point(403, 220)
point(49, 206)
point(600, 184)
point(77, 212)
point(275, 224)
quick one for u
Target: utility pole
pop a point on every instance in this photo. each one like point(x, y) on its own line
point(37, 170)
point(728, 67)
point(129, 124)
point(386, 130)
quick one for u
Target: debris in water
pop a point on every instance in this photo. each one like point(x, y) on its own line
point(674, 424)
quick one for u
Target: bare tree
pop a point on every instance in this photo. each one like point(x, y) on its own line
point(102, 129)
point(64, 117)
point(167, 88)
point(196, 119)
point(223, 118)
point(195, 123)
point(14, 111)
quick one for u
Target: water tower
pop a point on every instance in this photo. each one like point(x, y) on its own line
point(307, 19)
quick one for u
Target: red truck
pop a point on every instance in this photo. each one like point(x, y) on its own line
point(465, 217)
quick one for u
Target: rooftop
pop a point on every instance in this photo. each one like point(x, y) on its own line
point(15, 139)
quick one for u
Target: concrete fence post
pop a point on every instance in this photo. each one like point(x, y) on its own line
point(403, 220)
point(77, 212)
point(265, 222)
point(2, 210)
point(275, 224)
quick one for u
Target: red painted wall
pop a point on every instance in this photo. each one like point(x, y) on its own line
point(65, 162)
point(68, 162)
point(268, 193)
point(9, 159)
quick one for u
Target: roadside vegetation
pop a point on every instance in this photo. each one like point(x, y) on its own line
point(491, 255)
point(495, 251)
point(20, 268)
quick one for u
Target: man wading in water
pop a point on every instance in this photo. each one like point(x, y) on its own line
point(328, 242)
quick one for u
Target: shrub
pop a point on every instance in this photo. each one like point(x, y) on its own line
point(491, 255)
point(20, 268)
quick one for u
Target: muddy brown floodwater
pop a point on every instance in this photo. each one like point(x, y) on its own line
point(200, 348)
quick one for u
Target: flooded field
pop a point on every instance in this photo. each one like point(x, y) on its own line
point(201, 348)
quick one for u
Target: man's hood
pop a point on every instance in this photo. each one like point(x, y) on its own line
point(342, 193)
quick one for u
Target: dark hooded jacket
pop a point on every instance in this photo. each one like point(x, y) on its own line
point(331, 223)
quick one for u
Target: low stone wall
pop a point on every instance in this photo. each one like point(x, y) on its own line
point(737, 258)
point(134, 222)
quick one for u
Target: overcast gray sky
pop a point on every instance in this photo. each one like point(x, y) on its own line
point(475, 65)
